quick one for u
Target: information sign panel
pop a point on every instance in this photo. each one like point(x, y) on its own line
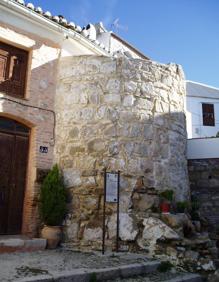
point(112, 187)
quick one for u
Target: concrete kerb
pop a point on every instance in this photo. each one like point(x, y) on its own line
point(187, 278)
point(103, 274)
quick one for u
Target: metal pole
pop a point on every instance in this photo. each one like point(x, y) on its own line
point(104, 208)
point(118, 200)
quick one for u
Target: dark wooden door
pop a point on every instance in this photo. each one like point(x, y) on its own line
point(14, 143)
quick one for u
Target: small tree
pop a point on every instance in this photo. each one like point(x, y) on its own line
point(53, 198)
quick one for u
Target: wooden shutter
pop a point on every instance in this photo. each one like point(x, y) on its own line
point(208, 114)
point(13, 68)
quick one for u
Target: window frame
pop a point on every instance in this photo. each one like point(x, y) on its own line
point(22, 83)
point(208, 114)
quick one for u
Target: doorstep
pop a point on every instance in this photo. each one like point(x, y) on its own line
point(20, 243)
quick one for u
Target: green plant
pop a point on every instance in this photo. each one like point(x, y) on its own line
point(182, 206)
point(93, 277)
point(194, 208)
point(217, 134)
point(53, 197)
point(164, 266)
point(155, 209)
point(167, 195)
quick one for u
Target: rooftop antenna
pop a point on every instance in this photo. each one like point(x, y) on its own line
point(116, 26)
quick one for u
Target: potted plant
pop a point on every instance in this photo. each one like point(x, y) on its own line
point(166, 199)
point(52, 206)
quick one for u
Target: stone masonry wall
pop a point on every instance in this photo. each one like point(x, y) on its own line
point(125, 115)
point(204, 183)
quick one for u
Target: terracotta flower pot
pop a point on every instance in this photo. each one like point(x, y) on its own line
point(52, 234)
point(165, 207)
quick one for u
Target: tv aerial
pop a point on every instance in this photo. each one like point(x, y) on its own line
point(116, 26)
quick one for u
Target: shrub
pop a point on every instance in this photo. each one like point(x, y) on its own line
point(167, 195)
point(164, 266)
point(93, 277)
point(53, 198)
point(182, 206)
point(194, 208)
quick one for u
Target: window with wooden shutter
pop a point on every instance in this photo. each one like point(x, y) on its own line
point(13, 69)
point(208, 114)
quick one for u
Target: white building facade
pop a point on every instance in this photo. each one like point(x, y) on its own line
point(202, 110)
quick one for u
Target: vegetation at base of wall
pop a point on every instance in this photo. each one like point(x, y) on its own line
point(53, 197)
point(194, 208)
point(93, 277)
point(182, 206)
point(167, 195)
point(217, 134)
point(164, 266)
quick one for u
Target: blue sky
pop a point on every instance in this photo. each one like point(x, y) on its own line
point(181, 31)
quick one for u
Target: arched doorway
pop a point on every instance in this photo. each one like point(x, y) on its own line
point(14, 147)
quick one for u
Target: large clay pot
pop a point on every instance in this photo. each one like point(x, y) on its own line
point(52, 234)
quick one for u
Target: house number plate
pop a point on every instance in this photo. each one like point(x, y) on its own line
point(43, 149)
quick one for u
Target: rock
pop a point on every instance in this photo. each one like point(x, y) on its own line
point(96, 145)
point(112, 99)
point(92, 234)
point(128, 230)
point(128, 101)
point(113, 86)
point(191, 255)
point(155, 229)
point(144, 202)
point(72, 177)
point(208, 266)
point(130, 86)
point(179, 220)
point(72, 231)
point(214, 277)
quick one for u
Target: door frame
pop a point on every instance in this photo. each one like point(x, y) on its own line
point(30, 177)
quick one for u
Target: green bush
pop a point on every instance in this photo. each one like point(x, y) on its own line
point(165, 266)
point(93, 277)
point(167, 195)
point(53, 198)
point(194, 210)
point(182, 206)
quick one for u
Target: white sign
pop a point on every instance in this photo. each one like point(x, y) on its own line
point(111, 187)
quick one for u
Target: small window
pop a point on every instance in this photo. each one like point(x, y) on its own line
point(13, 69)
point(208, 114)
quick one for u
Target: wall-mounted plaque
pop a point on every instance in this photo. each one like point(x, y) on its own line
point(112, 187)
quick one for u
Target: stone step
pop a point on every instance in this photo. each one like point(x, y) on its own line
point(10, 244)
point(123, 273)
point(187, 278)
point(100, 274)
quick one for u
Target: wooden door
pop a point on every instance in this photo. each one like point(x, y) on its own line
point(14, 143)
point(6, 148)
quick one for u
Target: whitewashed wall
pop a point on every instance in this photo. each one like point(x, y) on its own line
point(195, 128)
point(205, 148)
